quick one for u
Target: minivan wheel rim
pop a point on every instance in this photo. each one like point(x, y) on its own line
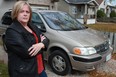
point(59, 63)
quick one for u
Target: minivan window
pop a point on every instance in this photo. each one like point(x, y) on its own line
point(61, 21)
point(36, 20)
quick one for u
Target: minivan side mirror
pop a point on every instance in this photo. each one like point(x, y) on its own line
point(43, 30)
point(40, 25)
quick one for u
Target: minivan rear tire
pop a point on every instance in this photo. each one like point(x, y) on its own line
point(59, 63)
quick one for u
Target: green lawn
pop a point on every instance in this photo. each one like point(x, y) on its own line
point(3, 70)
point(108, 27)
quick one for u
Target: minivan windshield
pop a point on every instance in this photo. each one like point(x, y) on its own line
point(61, 21)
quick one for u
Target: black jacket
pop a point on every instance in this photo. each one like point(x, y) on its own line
point(18, 40)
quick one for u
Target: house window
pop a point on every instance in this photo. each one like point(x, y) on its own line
point(104, 2)
point(74, 10)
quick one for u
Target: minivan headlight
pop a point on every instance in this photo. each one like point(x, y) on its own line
point(84, 51)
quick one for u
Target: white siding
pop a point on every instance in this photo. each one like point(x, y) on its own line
point(103, 6)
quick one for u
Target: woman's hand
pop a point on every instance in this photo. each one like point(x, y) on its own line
point(42, 37)
point(35, 48)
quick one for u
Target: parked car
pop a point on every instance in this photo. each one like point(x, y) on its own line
point(72, 45)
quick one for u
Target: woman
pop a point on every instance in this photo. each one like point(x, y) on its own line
point(25, 44)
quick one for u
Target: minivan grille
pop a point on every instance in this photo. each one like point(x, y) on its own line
point(102, 47)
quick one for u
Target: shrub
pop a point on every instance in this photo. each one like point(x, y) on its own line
point(113, 14)
point(100, 14)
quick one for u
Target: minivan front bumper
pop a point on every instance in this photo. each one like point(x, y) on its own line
point(88, 63)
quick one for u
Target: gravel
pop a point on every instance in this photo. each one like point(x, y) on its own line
point(108, 67)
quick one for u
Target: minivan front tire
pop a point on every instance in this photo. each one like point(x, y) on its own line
point(59, 63)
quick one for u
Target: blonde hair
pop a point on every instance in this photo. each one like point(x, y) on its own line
point(17, 7)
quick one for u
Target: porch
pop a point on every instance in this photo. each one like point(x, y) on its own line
point(87, 19)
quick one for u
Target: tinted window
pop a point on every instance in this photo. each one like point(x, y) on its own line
point(36, 20)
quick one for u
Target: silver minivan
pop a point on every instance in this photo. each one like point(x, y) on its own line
point(72, 45)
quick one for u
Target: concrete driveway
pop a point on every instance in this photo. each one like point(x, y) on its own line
point(3, 56)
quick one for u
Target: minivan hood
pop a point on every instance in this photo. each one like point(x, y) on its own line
point(86, 37)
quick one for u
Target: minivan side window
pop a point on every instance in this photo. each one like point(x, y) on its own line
point(36, 20)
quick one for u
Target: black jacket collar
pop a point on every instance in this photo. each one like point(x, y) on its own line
point(17, 26)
